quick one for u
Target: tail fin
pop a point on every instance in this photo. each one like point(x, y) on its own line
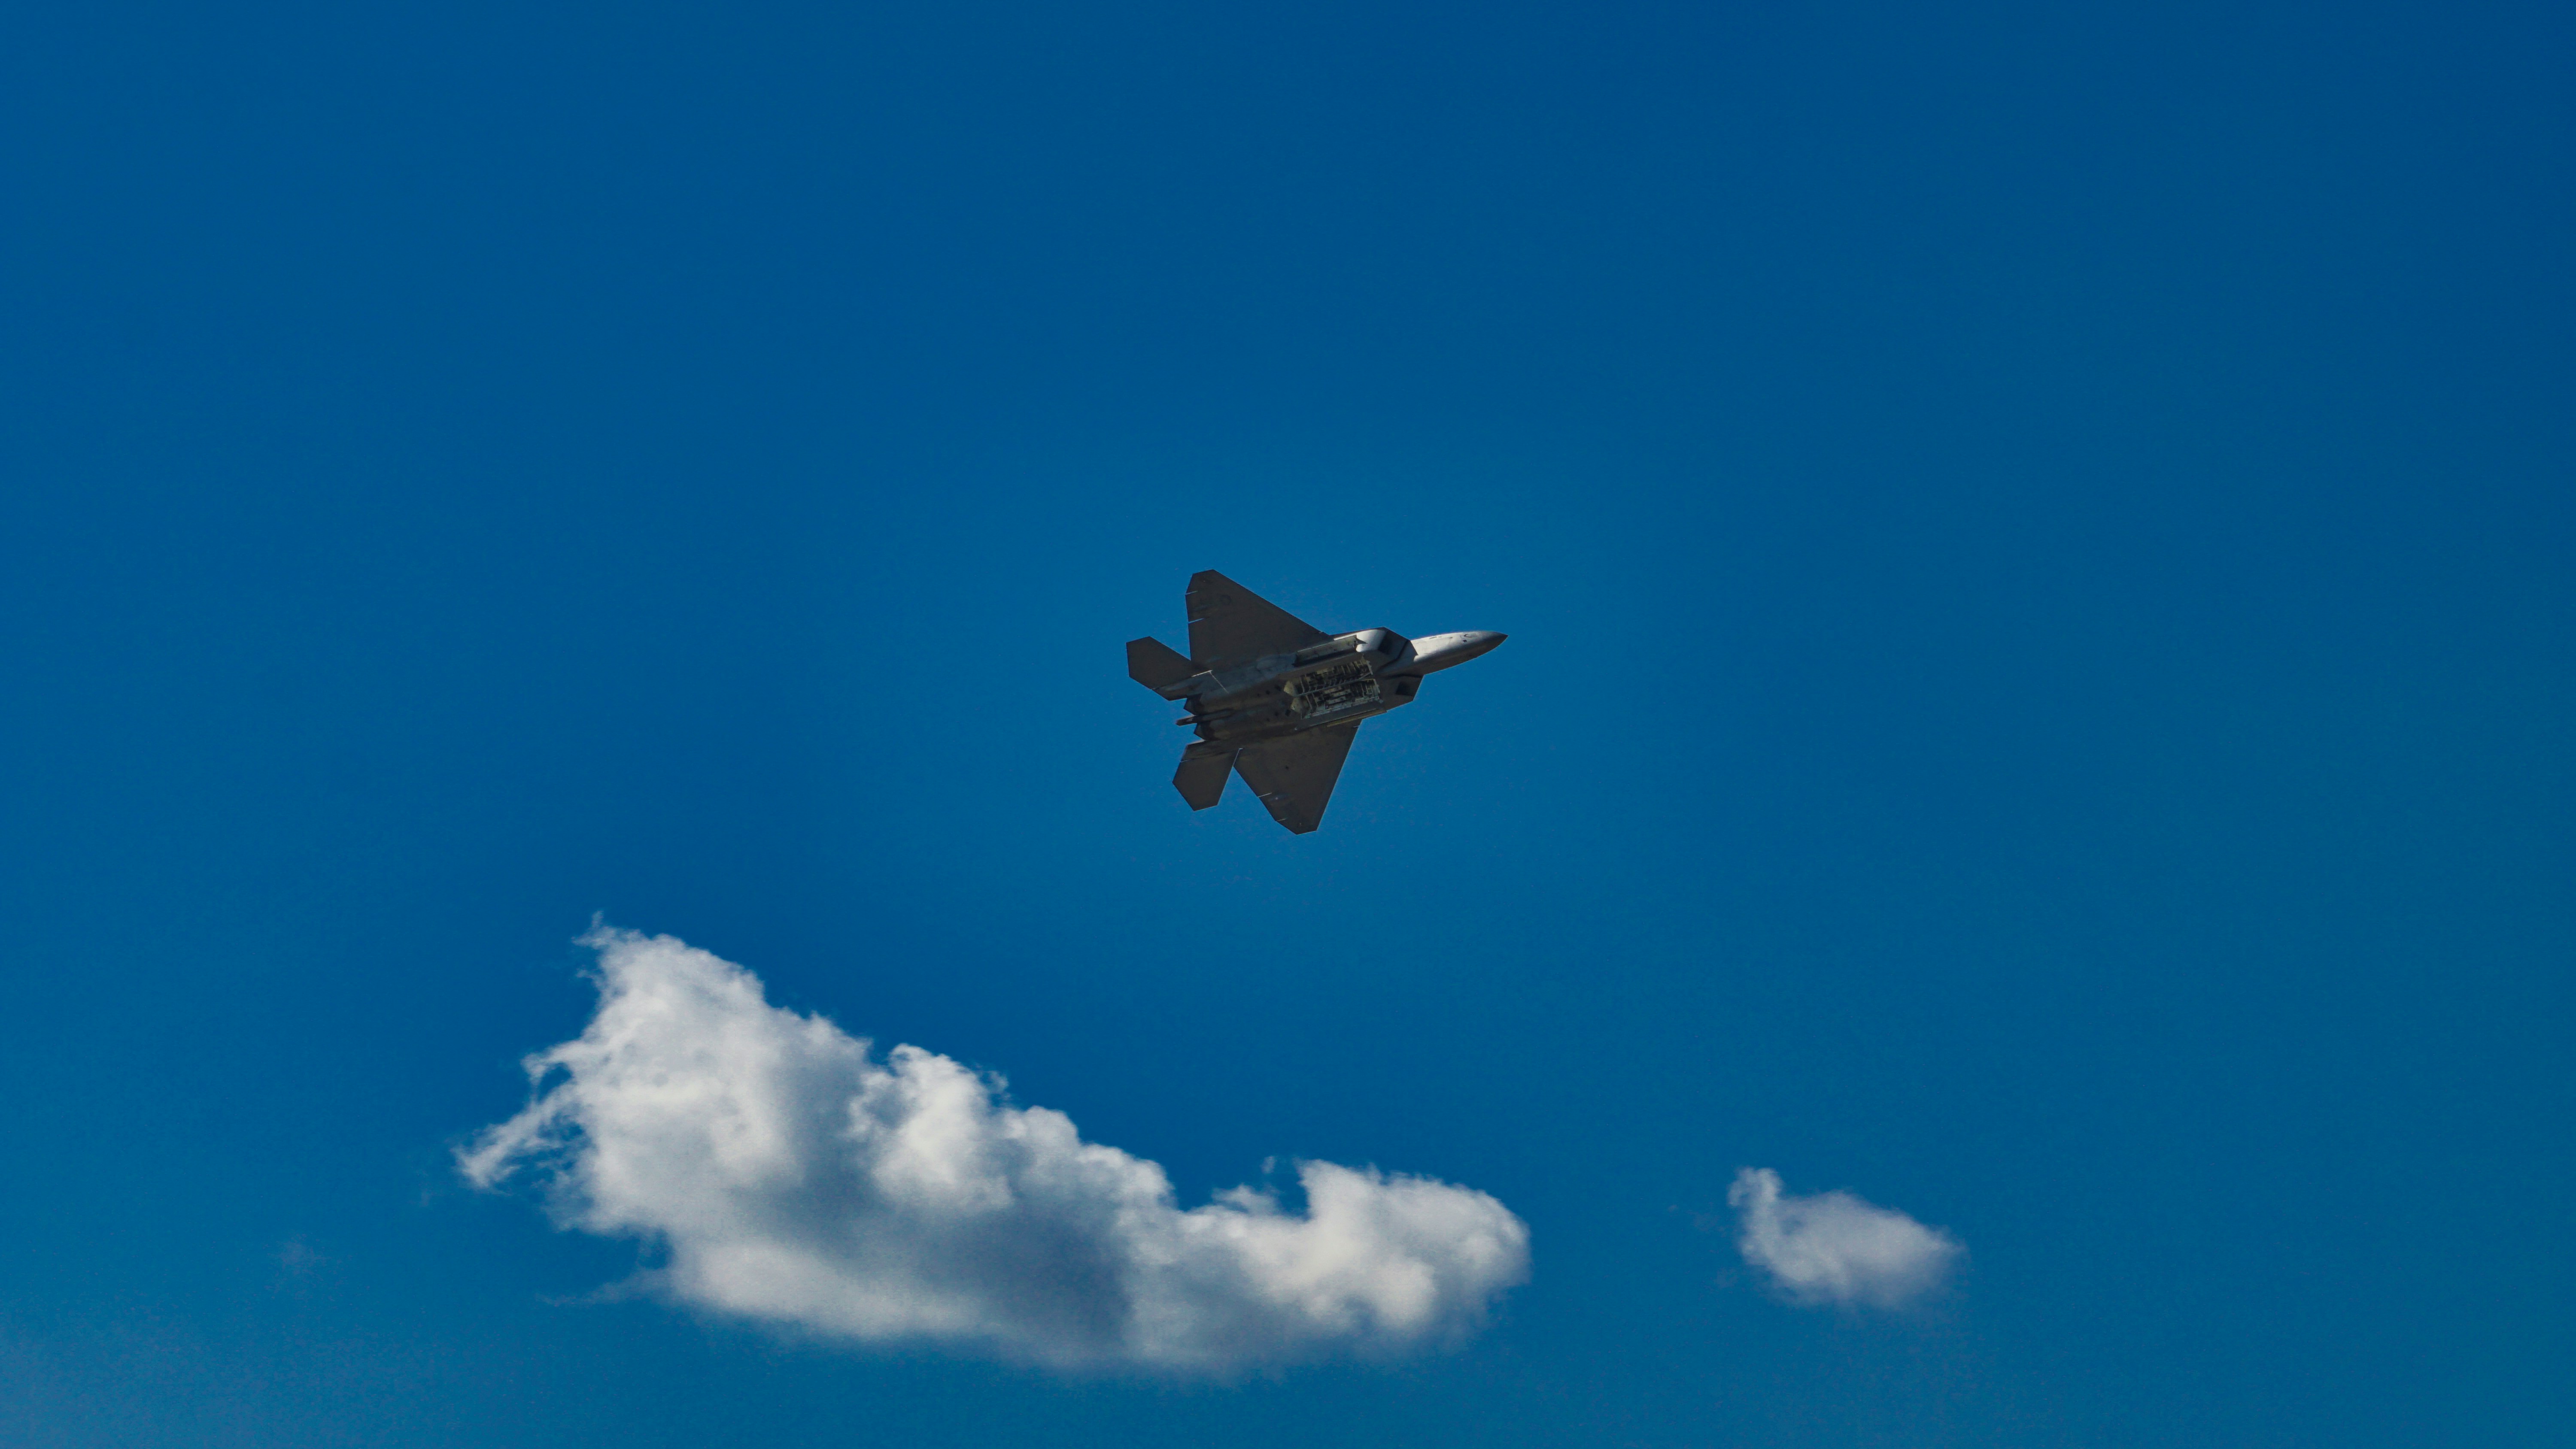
point(1153, 664)
point(1201, 777)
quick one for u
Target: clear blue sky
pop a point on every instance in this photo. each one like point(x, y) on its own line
point(2036, 542)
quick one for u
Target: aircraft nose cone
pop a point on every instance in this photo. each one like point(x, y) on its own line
point(1440, 651)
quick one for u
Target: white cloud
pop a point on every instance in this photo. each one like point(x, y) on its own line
point(795, 1178)
point(1833, 1248)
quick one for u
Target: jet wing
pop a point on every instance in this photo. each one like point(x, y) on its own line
point(1230, 623)
point(1294, 775)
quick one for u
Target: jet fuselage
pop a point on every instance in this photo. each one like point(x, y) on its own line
point(1341, 681)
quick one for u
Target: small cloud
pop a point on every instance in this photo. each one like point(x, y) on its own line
point(1833, 1248)
point(792, 1175)
point(299, 1259)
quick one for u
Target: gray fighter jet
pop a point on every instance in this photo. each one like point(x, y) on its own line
point(1277, 699)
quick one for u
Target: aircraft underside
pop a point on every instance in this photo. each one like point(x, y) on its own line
point(1276, 700)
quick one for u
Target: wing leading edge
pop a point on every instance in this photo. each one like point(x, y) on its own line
point(1294, 776)
point(1230, 623)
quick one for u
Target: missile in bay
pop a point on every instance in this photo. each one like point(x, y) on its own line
point(1278, 701)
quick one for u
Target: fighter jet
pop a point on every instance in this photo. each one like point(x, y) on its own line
point(1277, 700)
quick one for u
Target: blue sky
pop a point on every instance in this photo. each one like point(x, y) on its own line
point(2035, 540)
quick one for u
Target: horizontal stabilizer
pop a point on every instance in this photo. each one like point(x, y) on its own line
point(1201, 778)
point(1155, 665)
